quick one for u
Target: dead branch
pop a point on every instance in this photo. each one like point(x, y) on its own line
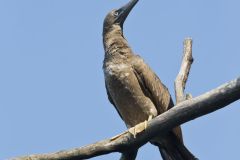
point(182, 76)
point(181, 113)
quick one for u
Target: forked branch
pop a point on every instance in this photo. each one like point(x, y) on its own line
point(181, 113)
point(184, 111)
point(182, 76)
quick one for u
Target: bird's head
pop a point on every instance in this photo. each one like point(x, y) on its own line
point(117, 17)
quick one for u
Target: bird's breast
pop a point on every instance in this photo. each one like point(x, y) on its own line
point(117, 70)
point(127, 94)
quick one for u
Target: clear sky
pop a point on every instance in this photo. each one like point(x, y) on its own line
point(52, 94)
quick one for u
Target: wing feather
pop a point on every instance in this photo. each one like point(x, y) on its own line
point(151, 85)
point(154, 89)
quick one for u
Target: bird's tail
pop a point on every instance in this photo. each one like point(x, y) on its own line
point(171, 148)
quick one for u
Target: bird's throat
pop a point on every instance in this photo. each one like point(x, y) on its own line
point(116, 44)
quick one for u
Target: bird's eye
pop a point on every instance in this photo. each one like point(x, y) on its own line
point(115, 13)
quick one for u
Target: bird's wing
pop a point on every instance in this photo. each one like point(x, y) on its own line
point(111, 100)
point(151, 85)
point(154, 89)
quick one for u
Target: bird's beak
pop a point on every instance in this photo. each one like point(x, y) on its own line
point(124, 11)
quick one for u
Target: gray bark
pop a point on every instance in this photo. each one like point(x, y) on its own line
point(181, 113)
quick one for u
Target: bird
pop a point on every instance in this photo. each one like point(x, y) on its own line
point(134, 89)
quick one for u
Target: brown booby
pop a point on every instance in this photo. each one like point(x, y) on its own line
point(134, 89)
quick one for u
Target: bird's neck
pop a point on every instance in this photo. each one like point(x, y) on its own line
point(115, 44)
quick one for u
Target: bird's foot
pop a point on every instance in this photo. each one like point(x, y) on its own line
point(136, 129)
point(139, 127)
point(117, 136)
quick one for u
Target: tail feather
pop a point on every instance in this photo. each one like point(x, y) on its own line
point(171, 145)
point(171, 148)
point(178, 152)
point(170, 155)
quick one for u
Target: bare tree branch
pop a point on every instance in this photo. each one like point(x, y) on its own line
point(181, 113)
point(182, 76)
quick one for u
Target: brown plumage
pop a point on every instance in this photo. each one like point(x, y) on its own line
point(133, 88)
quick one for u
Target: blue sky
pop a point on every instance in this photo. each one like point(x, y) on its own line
point(52, 94)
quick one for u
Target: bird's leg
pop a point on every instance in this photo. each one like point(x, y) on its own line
point(140, 127)
point(149, 119)
point(136, 129)
point(117, 136)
